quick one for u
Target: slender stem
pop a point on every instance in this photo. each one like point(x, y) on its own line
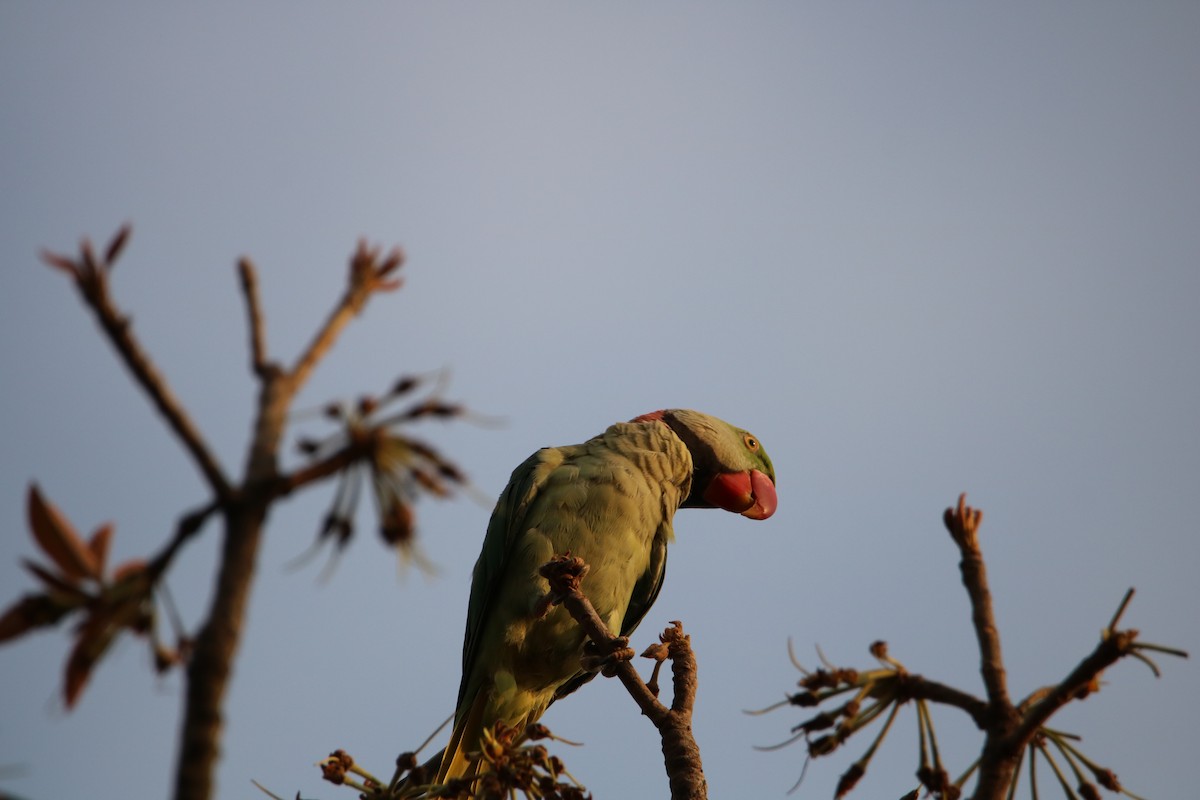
point(366, 277)
point(922, 688)
point(964, 527)
point(1107, 652)
point(331, 465)
point(187, 527)
point(254, 314)
point(1000, 752)
point(93, 286)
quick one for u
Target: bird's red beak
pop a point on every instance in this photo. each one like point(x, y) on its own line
point(750, 493)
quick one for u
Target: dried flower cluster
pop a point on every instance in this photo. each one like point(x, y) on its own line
point(1014, 733)
point(506, 766)
point(373, 445)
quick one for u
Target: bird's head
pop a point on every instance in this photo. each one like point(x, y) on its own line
point(731, 469)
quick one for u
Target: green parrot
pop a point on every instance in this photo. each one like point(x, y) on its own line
point(609, 501)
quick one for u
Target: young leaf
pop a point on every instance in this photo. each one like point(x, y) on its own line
point(31, 611)
point(97, 633)
point(95, 636)
point(55, 535)
point(59, 588)
point(98, 545)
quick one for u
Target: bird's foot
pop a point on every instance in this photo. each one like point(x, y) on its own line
point(564, 573)
point(605, 659)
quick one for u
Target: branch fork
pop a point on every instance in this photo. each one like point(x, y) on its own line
point(243, 504)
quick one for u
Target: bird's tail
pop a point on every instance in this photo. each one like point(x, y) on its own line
point(464, 740)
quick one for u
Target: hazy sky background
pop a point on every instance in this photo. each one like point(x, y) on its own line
point(917, 248)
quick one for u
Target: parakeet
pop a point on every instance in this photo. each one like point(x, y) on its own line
point(610, 501)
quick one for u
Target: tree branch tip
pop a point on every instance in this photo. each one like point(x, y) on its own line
point(963, 522)
point(792, 657)
point(1112, 625)
point(673, 633)
point(248, 276)
point(60, 263)
point(116, 244)
point(87, 254)
point(1158, 648)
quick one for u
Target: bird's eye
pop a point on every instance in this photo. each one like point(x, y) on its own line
point(751, 443)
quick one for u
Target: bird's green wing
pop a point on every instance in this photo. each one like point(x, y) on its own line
point(505, 525)
point(645, 591)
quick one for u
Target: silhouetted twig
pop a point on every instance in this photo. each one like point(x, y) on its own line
point(91, 279)
point(1010, 732)
point(243, 506)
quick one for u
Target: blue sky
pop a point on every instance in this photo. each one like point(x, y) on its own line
point(917, 248)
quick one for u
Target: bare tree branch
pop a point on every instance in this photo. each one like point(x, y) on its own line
point(681, 754)
point(1009, 732)
point(366, 277)
point(254, 314)
point(963, 524)
point(218, 640)
point(923, 688)
point(187, 527)
point(1110, 650)
point(999, 759)
point(91, 278)
point(244, 507)
point(326, 467)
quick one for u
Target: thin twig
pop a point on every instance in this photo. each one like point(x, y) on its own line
point(1110, 650)
point(963, 524)
point(366, 277)
point(1000, 756)
point(1120, 612)
point(922, 688)
point(91, 279)
point(187, 527)
point(328, 466)
point(254, 314)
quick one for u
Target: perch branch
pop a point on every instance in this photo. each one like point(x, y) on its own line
point(680, 751)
